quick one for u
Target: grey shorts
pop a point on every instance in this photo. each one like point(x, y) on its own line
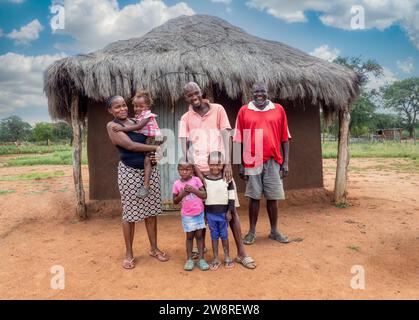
point(265, 180)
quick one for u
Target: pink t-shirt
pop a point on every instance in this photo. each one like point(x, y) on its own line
point(204, 132)
point(192, 205)
point(151, 129)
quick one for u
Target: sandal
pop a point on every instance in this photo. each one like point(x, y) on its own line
point(128, 264)
point(247, 262)
point(188, 265)
point(249, 238)
point(279, 237)
point(228, 264)
point(214, 265)
point(203, 265)
point(159, 255)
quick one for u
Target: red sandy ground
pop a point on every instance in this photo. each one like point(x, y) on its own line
point(380, 231)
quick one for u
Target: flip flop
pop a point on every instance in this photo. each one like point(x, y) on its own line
point(214, 265)
point(228, 264)
point(249, 238)
point(159, 255)
point(247, 262)
point(128, 264)
point(279, 237)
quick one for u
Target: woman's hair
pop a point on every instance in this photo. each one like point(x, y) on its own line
point(110, 100)
point(145, 95)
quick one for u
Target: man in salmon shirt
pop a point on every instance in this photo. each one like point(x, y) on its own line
point(205, 128)
point(262, 130)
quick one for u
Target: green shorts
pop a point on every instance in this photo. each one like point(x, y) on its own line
point(265, 180)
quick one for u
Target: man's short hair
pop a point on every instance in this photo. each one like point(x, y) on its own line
point(191, 85)
point(258, 85)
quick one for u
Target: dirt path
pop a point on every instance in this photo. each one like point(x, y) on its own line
point(379, 231)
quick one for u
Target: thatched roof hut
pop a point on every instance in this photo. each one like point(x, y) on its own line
point(222, 58)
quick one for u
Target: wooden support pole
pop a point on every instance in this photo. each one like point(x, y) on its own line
point(343, 157)
point(77, 149)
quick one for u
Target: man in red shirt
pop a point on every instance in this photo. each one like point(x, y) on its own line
point(262, 129)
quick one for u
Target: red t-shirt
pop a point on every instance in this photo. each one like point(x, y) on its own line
point(261, 132)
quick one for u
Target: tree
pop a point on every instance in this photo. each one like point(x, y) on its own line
point(361, 68)
point(43, 131)
point(62, 131)
point(363, 109)
point(362, 116)
point(384, 120)
point(403, 97)
point(13, 129)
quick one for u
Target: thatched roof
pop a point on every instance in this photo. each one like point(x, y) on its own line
point(204, 49)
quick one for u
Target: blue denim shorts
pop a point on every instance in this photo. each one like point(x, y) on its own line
point(193, 223)
point(218, 225)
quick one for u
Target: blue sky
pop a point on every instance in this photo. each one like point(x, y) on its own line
point(390, 35)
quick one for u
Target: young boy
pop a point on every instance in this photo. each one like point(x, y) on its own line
point(147, 125)
point(218, 207)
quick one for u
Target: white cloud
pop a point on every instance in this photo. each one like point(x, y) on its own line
point(374, 82)
point(95, 23)
point(379, 14)
point(324, 52)
point(222, 1)
point(21, 81)
point(226, 3)
point(406, 66)
point(1, 32)
point(27, 33)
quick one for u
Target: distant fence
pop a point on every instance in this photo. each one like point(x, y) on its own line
point(394, 136)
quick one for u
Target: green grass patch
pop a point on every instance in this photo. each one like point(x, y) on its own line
point(55, 158)
point(33, 176)
point(342, 205)
point(388, 149)
point(2, 192)
point(32, 148)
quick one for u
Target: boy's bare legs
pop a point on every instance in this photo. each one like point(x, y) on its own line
point(215, 263)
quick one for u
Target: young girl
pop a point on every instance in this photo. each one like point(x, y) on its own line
point(218, 207)
point(189, 190)
point(147, 125)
